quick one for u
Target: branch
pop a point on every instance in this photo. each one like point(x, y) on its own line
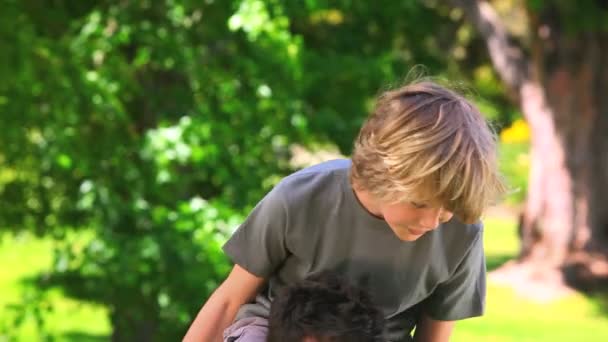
point(508, 59)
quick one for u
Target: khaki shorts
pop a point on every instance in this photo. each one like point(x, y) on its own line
point(250, 329)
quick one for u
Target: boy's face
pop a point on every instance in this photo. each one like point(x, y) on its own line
point(409, 221)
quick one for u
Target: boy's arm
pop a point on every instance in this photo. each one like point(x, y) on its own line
point(432, 330)
point(220, 309)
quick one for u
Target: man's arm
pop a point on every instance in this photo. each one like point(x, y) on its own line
point(432, 330)
point(218, 312)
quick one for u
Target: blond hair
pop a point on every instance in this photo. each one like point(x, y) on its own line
point(426, 143)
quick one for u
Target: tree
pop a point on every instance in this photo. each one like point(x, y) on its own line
point(556, 75)
point(124, 130)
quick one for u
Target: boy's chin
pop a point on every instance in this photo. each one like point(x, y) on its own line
point(409, 237)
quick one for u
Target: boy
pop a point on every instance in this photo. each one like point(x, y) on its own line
point(401, 218)
point(324, 308)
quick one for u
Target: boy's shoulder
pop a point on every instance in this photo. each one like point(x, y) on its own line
point(457, 238)
point(315, 178)
point(314, 187)
point(325, 167)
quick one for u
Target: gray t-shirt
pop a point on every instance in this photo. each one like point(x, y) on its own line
point(312, 221)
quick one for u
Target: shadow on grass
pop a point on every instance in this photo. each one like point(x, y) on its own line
point(601, 298)
point(82, 337)
point(495, 261)
point(594, 286)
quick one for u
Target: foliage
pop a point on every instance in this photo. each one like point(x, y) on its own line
point(514, 153)
point(514, 159)
point(132, 120)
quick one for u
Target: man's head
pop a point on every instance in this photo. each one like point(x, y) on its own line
point(324, 308)
point(427, 147)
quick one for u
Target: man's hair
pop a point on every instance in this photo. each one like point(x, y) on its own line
point(326, 308)
point(426, 143)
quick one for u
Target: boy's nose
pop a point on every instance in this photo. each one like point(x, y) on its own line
point(432, 217)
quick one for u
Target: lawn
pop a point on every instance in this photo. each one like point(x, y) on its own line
point(66, 319)
point(511, 318)
point(508, 317)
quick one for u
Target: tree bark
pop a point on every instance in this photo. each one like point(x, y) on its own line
point(561, 90)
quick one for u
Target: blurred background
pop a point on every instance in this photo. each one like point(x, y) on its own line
point(136, 135)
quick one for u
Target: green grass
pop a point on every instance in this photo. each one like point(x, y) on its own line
point(508, 317)
point(500, 241)
point(511, 318)
point(24, 257)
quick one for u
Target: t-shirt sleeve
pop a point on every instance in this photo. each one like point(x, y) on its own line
point(463, 295)
point(258, 245)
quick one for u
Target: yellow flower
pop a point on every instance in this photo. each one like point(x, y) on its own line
point(518, 132)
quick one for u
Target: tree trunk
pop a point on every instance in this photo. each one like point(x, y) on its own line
point(562, 91)
point(577, 88)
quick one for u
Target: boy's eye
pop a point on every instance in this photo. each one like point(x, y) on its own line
point(418, 205)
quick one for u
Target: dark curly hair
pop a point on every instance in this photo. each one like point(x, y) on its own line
point(326, 308)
